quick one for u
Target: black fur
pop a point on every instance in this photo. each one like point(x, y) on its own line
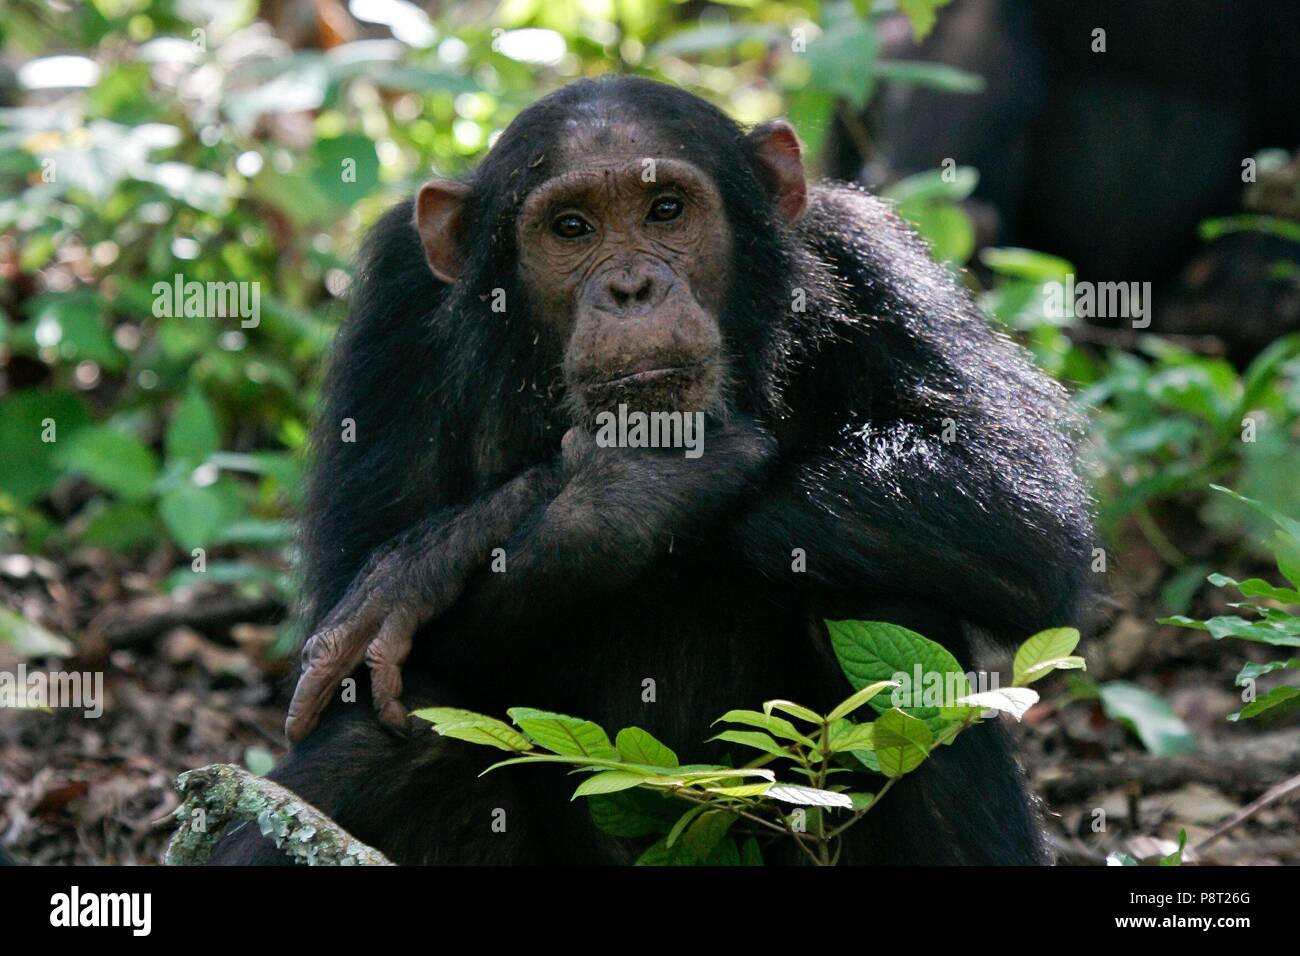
point(982, 538)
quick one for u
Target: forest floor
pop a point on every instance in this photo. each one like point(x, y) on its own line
point(189, 682)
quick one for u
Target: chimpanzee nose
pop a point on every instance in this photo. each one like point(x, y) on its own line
point(634, 288)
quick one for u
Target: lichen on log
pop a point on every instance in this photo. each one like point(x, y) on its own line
point(221, 795)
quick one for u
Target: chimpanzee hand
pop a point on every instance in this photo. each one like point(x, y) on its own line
point(411, 582)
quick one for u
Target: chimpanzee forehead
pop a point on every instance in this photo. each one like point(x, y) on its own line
point(606, 140)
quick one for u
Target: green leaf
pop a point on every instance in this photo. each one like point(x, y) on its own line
point(608, 781)
point(562, 734)
point(661, 854)
point(1054, 644)
point(1284, 697)
point(870, 651)
point(639, 746)
point(861, 800)
point(707, 831)
point(902, 742)
point(474, 728)
point(1148, 716)
point(793, 709)
point(754, 739)
point(1257, 587)
point(777, 726)
point(28, 640)
point(28, 466)
point(1176, 858)
point(111, 459)
point(193, 516)
point(922, 14)
point(750, 854)
point(1252, 671)
point(192, 434)
point(744, 790)
point(928, 75)
point(859, 698)
point(849, 736)
point(840, 61)
point(633, 813)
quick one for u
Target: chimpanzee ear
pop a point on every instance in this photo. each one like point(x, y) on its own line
point(439, 215)
point(781, 156)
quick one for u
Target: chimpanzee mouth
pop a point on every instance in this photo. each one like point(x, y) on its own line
point(648, 376)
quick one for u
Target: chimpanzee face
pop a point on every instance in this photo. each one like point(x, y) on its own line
point(625, 254)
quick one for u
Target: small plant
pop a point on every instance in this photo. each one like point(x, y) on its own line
point(815, 775)
point(1264, 623)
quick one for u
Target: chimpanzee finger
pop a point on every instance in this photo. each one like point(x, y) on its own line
point(328, 657)
point(385, 657)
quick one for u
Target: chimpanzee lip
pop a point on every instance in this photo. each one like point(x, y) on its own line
point(646, 375)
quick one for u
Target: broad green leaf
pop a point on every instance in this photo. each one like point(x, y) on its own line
point(902, 742)
point(1252, 671)
point(750, 853)
point(28, 465)
point(475, 728)
point(850, 736)
point(1051, 645)
point(1284, 697)
point(193, 516)
point(28, 640)
point(111, 459)
point(861, 800)
point(633, 813)
point(706, 831)
point(776, 726)
point(859, 698)
point(639, 746)
point(562, 734)
point(1148, 716)
point(192, 434)
point(871, 651)
point(661, 854)
point(754, 739)
point(1257, 587)
point(609, 781)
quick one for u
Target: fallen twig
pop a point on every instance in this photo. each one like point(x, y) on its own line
point(221, 794)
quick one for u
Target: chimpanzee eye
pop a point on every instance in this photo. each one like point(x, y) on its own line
point(570, 226)
point(665, 208)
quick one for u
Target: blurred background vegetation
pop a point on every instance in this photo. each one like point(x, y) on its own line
point(142, 139)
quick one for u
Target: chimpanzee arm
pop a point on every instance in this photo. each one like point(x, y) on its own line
point(586, 524)
point(890, 509)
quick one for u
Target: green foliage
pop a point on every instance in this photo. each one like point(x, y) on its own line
point(839, 768)
point(1271, 616)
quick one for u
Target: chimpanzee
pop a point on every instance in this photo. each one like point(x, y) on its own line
point(871, 450)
